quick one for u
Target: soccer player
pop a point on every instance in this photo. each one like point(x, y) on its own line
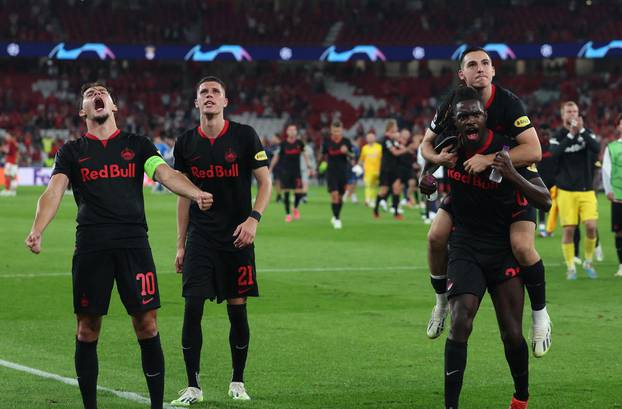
point(389, 177)
point(337, 151)
point(288, 155)
point(480, 252)
point(215, 250)
point(371, 155)
point(405, 165)
point(576, 148)
point(105, 168)
point(612, 182)
point(506, 115)
point(11, 151)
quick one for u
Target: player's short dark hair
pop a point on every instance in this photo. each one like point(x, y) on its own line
point(470, 50)
point(92, 84)
point(211, 78)
point(465, 93)
point(287, 125)
point(336, 124)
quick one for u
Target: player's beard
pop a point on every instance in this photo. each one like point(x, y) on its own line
point(101, 119)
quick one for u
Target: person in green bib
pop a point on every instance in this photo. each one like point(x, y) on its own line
point(612, 182)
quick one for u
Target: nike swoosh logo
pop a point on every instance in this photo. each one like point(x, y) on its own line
point(517, 213)
point(83, 159)
point(241, 348)
point(452, 372)
point(244, 291)
point(147, 301)
point(186, 348)
point(195, 158)
point(152, 375)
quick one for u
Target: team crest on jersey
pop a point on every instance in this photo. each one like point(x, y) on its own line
point(230, 156)
point(127, 154)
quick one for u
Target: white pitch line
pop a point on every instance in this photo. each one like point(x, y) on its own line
point(134, 397)
point(272, 270)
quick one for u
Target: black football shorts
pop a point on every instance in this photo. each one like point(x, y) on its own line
point(219, 274)
point(476, 265)
point(291, 179)
point(336, 181)
point(94, 274)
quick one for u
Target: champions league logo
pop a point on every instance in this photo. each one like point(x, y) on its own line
point(502, 50)
point(588, 50)
point(331, 54)
point(238, 53)
point(61, 53)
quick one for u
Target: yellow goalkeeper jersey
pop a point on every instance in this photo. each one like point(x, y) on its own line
point(371, 156)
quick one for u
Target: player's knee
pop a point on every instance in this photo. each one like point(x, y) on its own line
point(461, 323)
point(524, 252)
point(512, 336)
point(88, 330)
point(590, 229)
point(146, 327)
point(193, 310)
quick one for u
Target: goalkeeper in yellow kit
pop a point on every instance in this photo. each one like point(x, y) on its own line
point(371, 156)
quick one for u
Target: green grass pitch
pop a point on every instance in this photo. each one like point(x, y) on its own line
point(340, 323)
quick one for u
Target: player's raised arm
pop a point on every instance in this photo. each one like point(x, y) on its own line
point(47, 206)
point(533, 189)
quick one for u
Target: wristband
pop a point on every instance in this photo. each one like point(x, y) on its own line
point(255, 215)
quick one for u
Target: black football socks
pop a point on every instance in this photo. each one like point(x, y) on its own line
point(455, 363)
point(518, 360)
point(153, 368)
point(192, 338)
point(396, 203)
point(286, 202)
point(336, 209)
point(619, 248)
point(533, 277)
point(239, 336)
point(87, 369)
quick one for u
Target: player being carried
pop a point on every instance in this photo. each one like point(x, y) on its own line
point(480, 251)
point(505, 114)
point(105, 168)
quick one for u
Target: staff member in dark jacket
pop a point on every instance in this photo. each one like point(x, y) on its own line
point(576, 148)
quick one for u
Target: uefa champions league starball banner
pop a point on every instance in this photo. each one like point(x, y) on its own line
point(333, 53)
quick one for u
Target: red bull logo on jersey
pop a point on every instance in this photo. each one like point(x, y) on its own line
point(108, 172)
point(215, 171)
point(474, 180)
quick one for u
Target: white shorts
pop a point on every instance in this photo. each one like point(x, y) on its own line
point(10, 169)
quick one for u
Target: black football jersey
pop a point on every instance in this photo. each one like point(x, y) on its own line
point(222, 166)
point(389, 160)
point(289, 155)
point(107, 181)
point(481, 207)
point(338, 162)
point(506, 114)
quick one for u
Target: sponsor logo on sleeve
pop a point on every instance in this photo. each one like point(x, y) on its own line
point(261, 155)
point(522, 122)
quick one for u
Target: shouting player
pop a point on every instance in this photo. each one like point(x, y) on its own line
point(506, 115)
point(105, 168)
point(288, 155)
point(480, 252)
point(215, 250)
point(337, 151)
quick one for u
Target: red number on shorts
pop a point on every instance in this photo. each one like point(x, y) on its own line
point(147, 281)
point(520, 199)
point(246, 276)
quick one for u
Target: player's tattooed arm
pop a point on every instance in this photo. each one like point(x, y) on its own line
point(244, 233)
point(533, 189)
point(47, 206)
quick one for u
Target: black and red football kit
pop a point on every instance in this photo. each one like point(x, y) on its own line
point(111, 235)
point(223, 166)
